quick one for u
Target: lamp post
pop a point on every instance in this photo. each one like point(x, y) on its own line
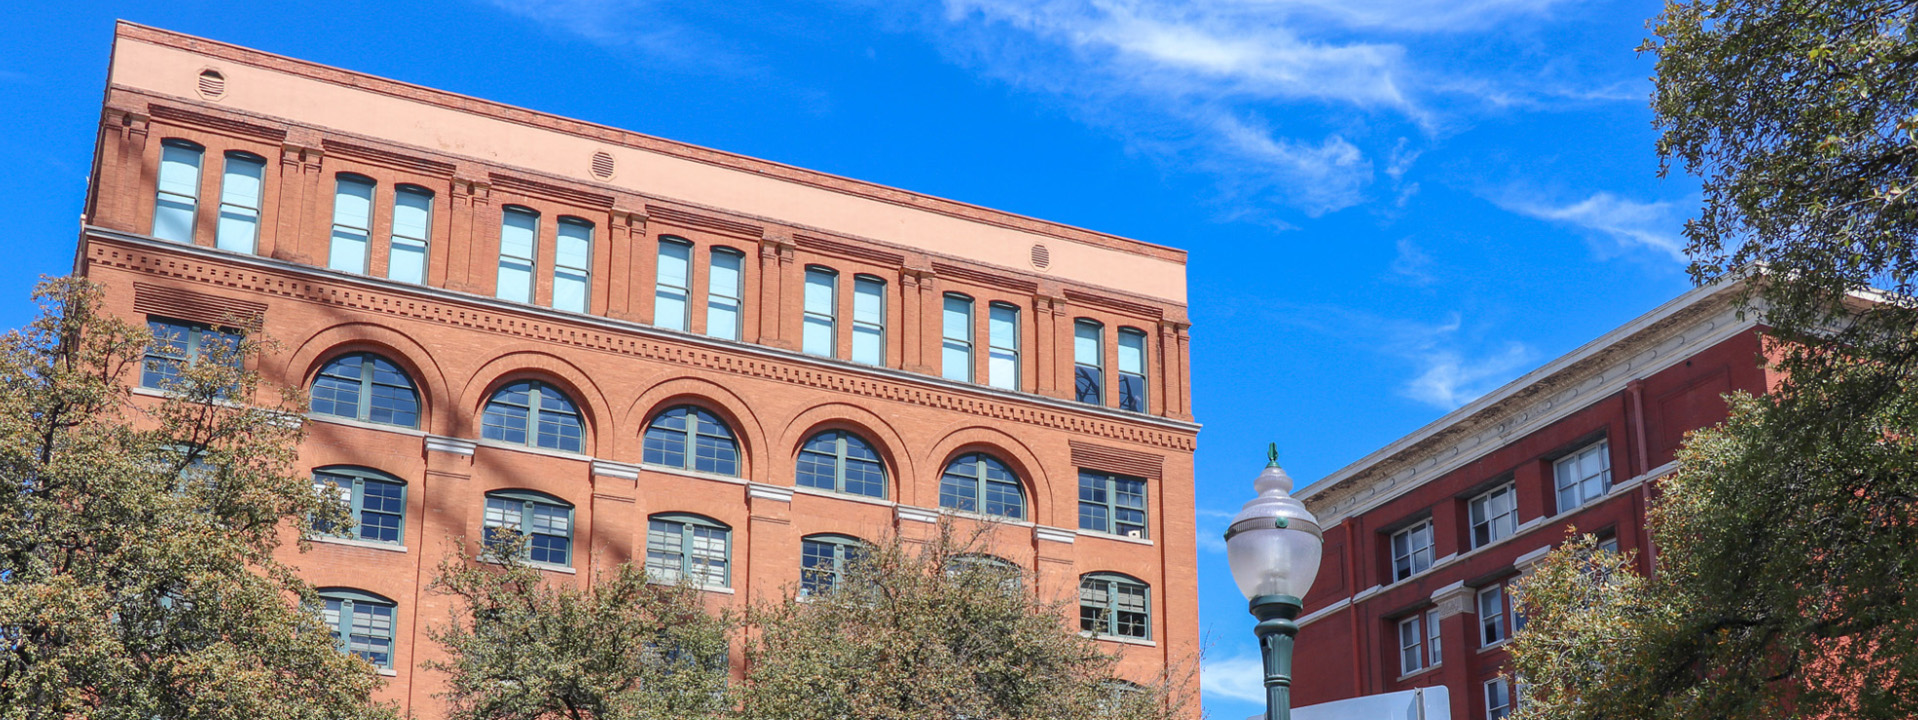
point(1274, 546)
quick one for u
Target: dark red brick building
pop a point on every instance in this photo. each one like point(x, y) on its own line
point(639, 350)
point(1424, 536)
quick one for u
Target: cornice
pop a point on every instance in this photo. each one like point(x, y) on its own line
point(267, 276)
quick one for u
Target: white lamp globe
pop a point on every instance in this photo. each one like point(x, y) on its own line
point(1274, 544)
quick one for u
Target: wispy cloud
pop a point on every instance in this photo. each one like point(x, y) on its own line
point(1211, 529)
point(1629, 224)
point(1241, 677)
point(1450, 363)
point(1451, 379)
point(1412, 265)
point(649, 30)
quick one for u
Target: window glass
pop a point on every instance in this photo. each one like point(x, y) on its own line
point(530, 412)
point(824, 560)
point(572, 264)
point(177, 197)
point(1432, 646)
point(840, 461)
point(680, 546)
point(1498, 699)
point(546, 522)
point(240, 185)
point(375, 501)
point(361, 623)
point(366, 387)
point(1491, 615)
point(1088, 360)
point(691, 438)
point(352, 223)
point(981, 483)
point(1583, 476)
point(818, 337)
point(518, 241)
point(1132, 379)
point(178, 345)
point(725, 291)
point(868, 320)
point(671, 289)
point(1002, 334)
point(1411, 645)
point(1494, 515)
point(1412, 551)
point(412, 226)
point(955, 355)
point(1112, 504)
point(1115, 605)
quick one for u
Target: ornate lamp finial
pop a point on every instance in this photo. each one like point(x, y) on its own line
point(1272, 455)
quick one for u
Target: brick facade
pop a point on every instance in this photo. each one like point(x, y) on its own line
point(459, 344)
point(1627, 398)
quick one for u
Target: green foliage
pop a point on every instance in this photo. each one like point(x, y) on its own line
point(524, 648)
point(914, 631)
point(137, 577)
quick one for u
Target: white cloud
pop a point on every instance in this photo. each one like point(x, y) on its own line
point(651, 30)
point(1239, 678)
point(1451, 363)
point(1655, 226)
point(1412, 265)
point(1450, 379)
point(1211, 529)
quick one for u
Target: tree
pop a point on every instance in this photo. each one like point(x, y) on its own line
point(523, 648)
point(137, 570)
point(935, 631)
point(1786, 568)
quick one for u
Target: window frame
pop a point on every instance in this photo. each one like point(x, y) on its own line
point(162, 195)
point(979, 460)
point(1110, 614)
point(685, 290)
point(1503, 710)
point(1495, 619)
point(821, 316)
point(995, 351)
point(1095, 393)
point(364, 232)
point(527, 500)
point(535, 412)
point(691, 435)
point(1602, 447)
point(581, 275)
point(1411, 556)
point(350, 600)
point(842, 443)
point(1110, 484)
point(395, 240)
point(1489, 522)
point(717, 299)
point(196, 336)
point(363, 405)
point(961, 344)
point(1425, 643)
point(687, 522)
point(846, 550)
point(1130, 400)
point(863, 285)
point(229, 208)
point(355, 498)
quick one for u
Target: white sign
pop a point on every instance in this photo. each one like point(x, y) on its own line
point(1433, 703)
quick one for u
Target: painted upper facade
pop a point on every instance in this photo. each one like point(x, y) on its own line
point(1424, 536)
point(640, 350)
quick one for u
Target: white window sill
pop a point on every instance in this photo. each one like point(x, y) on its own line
point(1110, 536)
point(389, 672)
point(1141, 642)
point(548, 452)
point(363, 425)
point(703, 588)
point(816, 492)
point(350, 542)
point(534, 565)
point(1420, 671)
point(1494, 646)
point(694, 474)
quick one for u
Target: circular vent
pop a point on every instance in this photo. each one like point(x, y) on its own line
point(212, 84)
point(1041, 257)
point(602, 165)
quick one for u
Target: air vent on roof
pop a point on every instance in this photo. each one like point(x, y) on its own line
point(1041, 257)
point(212, 84)
point(602, 165)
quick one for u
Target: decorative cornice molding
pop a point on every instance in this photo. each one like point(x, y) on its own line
point(620, 470)
point(267, 276)
point(215, 123)
point(387, 157)
point(450, 445)
point(1454, 599)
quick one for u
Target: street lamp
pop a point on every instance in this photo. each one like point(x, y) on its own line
point(1274, 546)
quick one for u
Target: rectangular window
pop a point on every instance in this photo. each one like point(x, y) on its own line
point(1112, 504)
point(548, 528)
point(178, 345)
point(1498, 699)
point(1412, 550)
point(1433, 650)
point(677, 549)
point(412, 226)
point(1132, 386)
point(1608, 544)
point(1411, 645)
point(1491, 616)
point(670, 288)
point(1583, 476)
point(1088, 360)
point(955, 351)
point(239, 228)
point(518, 240)
point(1002, 336)
point(1494, 515)
point(725, 293)
point(352, 224)
point(868, 320)
point(177, 199)
point(819, 336)
point(572, 265)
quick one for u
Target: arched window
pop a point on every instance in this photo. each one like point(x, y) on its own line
point(240, 185)
point(824, 560)
point(352, 222)
point(361, 622)
point(366, 387)
point(1115, 605)
point(981, 483)
point(375, 500)
point(840, 461)
point(530, 412)
point(976, 567)
point(177, 193)
point(546, 521)
point(682, 545)
point(691, 438)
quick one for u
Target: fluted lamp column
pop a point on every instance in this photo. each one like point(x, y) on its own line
point(1274, 546)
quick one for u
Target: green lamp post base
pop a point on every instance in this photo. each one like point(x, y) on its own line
point(1276, 631)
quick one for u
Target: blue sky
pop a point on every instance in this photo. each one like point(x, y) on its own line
point(1391, 206)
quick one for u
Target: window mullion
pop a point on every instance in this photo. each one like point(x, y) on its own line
point(840, 462)
point(686, 550)
point(526, 529)
point(364, 412)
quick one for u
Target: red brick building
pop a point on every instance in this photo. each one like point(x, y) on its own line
point(639, 350)
point(1424, 536)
